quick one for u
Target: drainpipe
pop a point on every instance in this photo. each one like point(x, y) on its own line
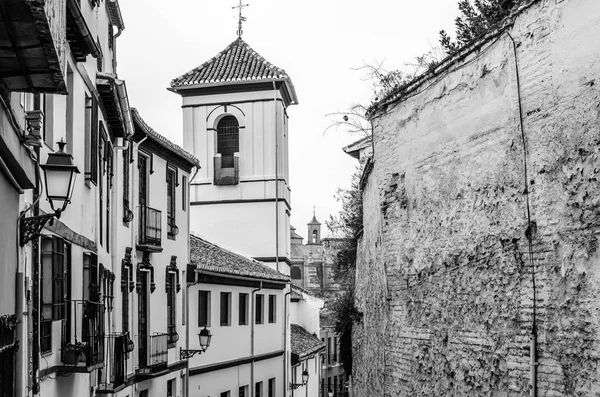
point(276, 180)
point(252, 324)
point(285, 323)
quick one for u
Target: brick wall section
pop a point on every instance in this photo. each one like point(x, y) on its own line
point(443, 277)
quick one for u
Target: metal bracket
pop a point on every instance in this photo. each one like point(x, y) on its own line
point(185, 354)
point(31, 228)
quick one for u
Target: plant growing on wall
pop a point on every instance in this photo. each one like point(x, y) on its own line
point(346, 315)
point(475, 20)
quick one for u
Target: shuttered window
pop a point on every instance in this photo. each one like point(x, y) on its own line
point(203, 308)
point(225, 308)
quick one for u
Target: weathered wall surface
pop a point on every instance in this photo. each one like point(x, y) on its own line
point(444, 278)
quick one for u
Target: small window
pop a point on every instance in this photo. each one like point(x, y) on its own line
point(258, 389)
point(296, 272)
point(243, 309)
point(171, 304)
point(228, 140)
point(184, 192)
point(204, 308)
point(272, 308)
point(243, 391)
point(225, 308)
point(226, 394)
point(91, 139)
point(335, 347)
point(271, 387)
point(171, 200)
point(171, 388)
point(260, 303)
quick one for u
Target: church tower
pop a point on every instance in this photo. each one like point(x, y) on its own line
point(314, 231)
point(235, 122)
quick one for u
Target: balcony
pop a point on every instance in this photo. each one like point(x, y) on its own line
point(153, 353)
point(226, 170)
point(85, 350)
point(150, 230)
point(33, 43)
point(117, 348)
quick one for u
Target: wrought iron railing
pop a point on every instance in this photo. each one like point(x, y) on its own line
point(115, 372)
point(83, 334)
point(150, 227)
point(226, 170)
point(153, 351)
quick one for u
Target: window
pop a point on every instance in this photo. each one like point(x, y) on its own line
point(91, 138)
point(226, 394)
point(45, 336)
point(183, 192)
point(54, 275)
point(171, 388)
point(335, 349)
point(225, 308)
point(243, 309)
point(127, 213)
point(260, 303)
point(203, 308)
point(108, 170)
point(172, 229)
point(296, 273)
point(243, 391)
point(335, 385)
point(323, 355)
point(271, 387)
point(228, 140)
point(144, 393)
point(272, 308)
point(258, 389)
point(101, 188)
point(329, 354)
point(171, 303)
point(125, 299)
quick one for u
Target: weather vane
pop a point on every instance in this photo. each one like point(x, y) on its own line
point(241, 18)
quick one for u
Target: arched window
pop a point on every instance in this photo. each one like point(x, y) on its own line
point(228, 140)
point(314, 237)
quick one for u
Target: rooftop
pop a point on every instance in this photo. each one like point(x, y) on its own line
point(304, 344)
point(161, 141)
point(210, 257)
point(238, 63)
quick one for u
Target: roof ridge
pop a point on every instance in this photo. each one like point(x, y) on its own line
point(169, 145)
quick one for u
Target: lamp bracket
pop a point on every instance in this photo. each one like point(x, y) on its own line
point(294, 386)
point(30, 228)
point(185, 354)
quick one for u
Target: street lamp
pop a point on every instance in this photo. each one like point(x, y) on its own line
point(294, 386)
point(204, 338)
point(59, 176)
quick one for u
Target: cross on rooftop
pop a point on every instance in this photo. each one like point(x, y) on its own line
point(240, 17)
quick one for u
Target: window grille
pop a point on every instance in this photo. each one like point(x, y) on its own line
point(228, 140)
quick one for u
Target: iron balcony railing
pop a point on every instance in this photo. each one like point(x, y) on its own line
point(227, 170)
point(150, 226)
point(153, 353)
point(115, 373)
point(83, 334)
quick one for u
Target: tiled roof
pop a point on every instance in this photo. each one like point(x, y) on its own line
point(303, 343)
point(354, 148)
point(210, 257)
point(237, 63)
point(140, 125)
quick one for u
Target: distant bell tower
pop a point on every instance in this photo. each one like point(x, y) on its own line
point(314, 230)
point(235, 122)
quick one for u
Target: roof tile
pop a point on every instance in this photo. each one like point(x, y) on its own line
point(238, 62)
point(303, 343)
point(210, 257)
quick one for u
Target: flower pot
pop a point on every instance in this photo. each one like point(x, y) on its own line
point(71, 357)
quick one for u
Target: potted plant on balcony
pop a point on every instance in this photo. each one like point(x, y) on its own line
point(72, 352)
point(129, 345)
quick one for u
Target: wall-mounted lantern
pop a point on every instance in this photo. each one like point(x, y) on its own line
point(304, 381)
point(204, 338)
point(59, 176)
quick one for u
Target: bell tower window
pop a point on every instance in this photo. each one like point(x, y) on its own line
point(228, 140)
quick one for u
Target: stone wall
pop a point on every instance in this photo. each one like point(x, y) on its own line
point(444, 276)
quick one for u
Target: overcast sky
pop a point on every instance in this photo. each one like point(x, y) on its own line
point(317, 42)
